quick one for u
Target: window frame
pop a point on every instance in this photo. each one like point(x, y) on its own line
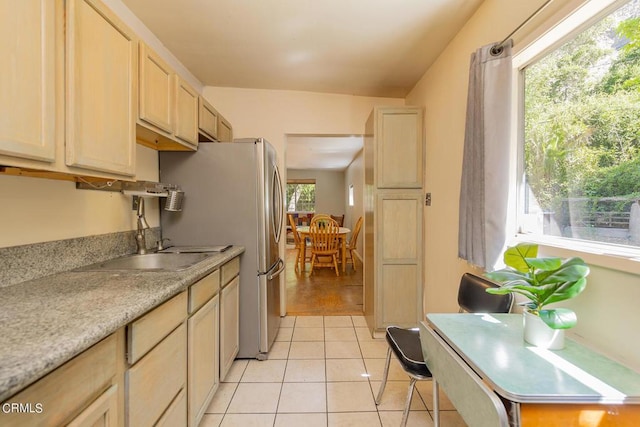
point(559, 29)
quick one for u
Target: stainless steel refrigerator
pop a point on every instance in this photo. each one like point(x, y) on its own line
point(233, 195)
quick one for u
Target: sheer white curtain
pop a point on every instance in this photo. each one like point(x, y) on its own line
point(485, 167)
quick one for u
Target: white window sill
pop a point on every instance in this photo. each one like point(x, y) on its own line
point(621, 258)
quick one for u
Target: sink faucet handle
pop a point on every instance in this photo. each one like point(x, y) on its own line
point(160, 243)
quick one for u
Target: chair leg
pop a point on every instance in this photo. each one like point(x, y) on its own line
point(407, 404)
point(353, 260)
point(313, 261)
point(436, 404)
point(384, 377)
point(335, 265)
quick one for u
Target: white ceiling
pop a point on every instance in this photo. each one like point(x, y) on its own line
point(358, 47)
point(322, 152)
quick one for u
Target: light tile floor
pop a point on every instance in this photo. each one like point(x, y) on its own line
point(322, 371)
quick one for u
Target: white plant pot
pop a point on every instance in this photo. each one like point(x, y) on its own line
point(539, 334)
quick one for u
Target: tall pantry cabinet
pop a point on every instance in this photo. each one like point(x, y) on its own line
point(394, 170)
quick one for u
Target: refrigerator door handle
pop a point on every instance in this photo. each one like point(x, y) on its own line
point(279, 203)
point(280, 268)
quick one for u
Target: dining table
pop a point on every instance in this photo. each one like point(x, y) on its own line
point(303, 231)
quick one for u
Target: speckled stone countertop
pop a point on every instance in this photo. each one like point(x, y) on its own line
point(47, 321)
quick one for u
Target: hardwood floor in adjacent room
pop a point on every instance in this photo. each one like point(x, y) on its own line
point(323, 293)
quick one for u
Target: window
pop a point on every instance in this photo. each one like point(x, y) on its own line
point(581, 166)
point(301, 195)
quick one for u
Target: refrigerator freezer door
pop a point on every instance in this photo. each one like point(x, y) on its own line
point(270, 306)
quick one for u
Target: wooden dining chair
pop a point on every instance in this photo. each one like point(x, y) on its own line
point(353, 242)
point(339, 219)
point(324, 243)
point(323, 218)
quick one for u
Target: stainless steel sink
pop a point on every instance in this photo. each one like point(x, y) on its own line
point(149, 262)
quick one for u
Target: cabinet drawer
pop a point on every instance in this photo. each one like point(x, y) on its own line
point(151, 328)
point(230, 270)
point(154, 382)
point(202, 291)
point(69, 389)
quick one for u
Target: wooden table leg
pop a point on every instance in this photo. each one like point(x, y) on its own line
point(344, 253)
point(303, 251)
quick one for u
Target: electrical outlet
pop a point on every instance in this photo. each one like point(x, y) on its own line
point(427, 199)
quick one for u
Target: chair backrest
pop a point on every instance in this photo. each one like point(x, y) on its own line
point(473, 298)
point(324, 234)
point(339, 219)
point(354, 234)
point(294, 229)
point(321, 218)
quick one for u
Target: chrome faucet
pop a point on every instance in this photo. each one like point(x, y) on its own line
point(141, 238)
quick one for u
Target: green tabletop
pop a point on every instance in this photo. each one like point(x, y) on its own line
point(492, 345)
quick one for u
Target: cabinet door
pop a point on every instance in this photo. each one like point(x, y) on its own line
point(101, 85)
point(207, 120)
point(225, 132)
point(156, 90)
point(103, 412)
point(186, 125)
point(399, 259)
point(203, 358)
point(229, 325)
point(176, 413)
point(155, 380)
point(399, 148)
point(27, 81)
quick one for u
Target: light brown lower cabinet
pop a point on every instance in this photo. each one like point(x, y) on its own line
point(103, 412)
point(229, 315)
point(162, 369)
point(203, 359)
point(83, 392)
point(155, 380)
point(176, 414)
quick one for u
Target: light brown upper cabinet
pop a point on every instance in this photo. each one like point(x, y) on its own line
point(27, 82)
point(186, 126)
point(68, 90)
point(156, 90)
point(400, 147)
point(207, 121)
point(168, 111)
point(212, 126)
point(225, 131)
point(101, 84)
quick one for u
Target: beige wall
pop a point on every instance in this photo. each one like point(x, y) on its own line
point(354, 175)
point(330, 189)
point(604, 316)
point(41, 210)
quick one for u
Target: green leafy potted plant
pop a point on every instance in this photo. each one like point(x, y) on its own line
point(543, 281)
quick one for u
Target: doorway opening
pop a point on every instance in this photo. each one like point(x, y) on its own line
point(334, 163)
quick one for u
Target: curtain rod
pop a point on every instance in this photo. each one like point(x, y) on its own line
point(498, 47)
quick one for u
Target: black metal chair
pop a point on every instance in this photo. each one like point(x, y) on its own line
point(405, 343)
